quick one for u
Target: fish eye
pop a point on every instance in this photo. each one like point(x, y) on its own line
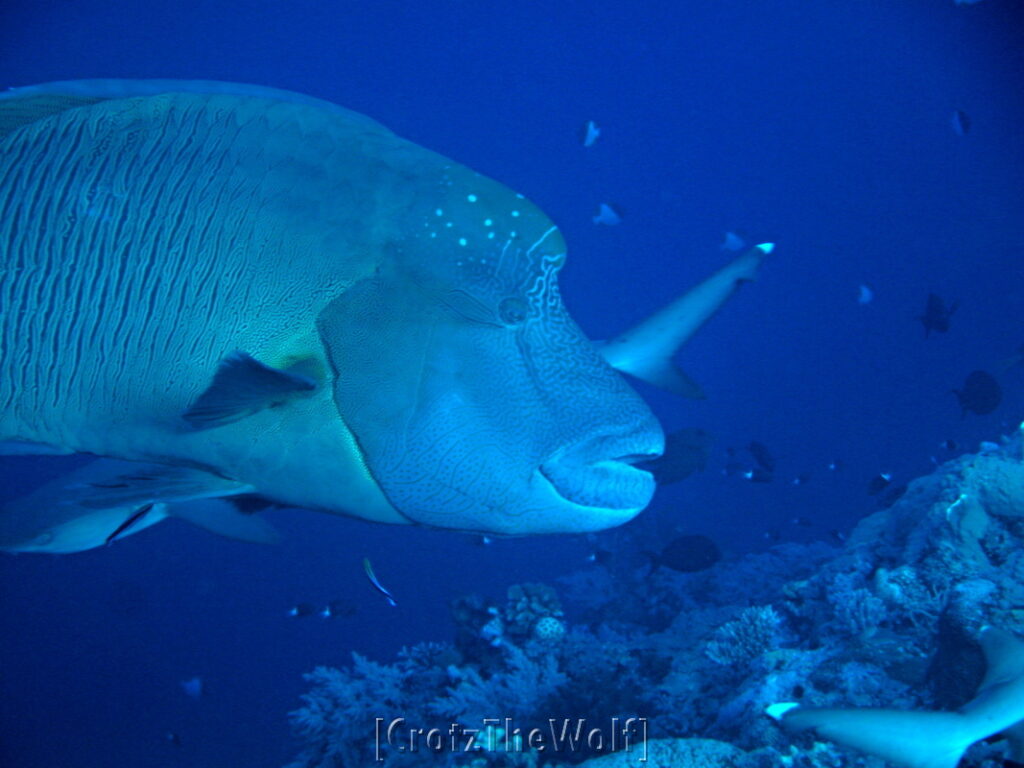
point(513, 311)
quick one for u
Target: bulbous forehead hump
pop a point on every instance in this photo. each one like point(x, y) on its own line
point(482, 228)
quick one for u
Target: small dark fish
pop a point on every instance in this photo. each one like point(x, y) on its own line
point(837, 536)
point(802, 479)
point(835, 465)
point(949, 446)
point(338, 609)
point(772, 534)
point(193, 687)
point(131, 520)
point(803, 522)
point(483, 541)
point(879, 483)
point(762, 455)
point(758, 475)
point(302, 609)
point(936, 315)
point(981, 394)
point(960, 122)
point(690, 554)
point(607, 214)
point(368, 570)
point(686, 452)
point(173, 738)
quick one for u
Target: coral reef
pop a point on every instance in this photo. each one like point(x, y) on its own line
point(527, 606)
point(890, 618)
point(519, 690)
point(755, 632)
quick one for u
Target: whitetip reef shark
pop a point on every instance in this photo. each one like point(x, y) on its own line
point(916, 739)
point(106, 500)
point(278, 296)
point(646, 350)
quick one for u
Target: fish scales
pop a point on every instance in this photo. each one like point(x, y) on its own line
point(145, 270)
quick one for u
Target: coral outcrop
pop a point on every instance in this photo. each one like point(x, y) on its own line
point(888, 619)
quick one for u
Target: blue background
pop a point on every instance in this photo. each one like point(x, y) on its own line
point(824, 127)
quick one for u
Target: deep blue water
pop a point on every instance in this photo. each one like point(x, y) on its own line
point(824, 127)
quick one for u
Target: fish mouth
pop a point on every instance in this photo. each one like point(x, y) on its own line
point(599, 472)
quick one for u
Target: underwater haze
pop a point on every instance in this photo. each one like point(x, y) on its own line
point(877, 145)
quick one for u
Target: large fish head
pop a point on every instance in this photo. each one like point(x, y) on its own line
point(476, 401)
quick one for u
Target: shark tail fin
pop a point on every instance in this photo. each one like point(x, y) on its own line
point(906, 738)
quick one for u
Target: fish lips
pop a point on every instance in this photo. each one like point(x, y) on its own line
point(599, 473)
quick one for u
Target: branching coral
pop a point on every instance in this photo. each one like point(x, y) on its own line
point(518, 691)
point(756, 631)
point(337, 721)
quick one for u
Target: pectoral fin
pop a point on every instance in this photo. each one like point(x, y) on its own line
point(242, 386)
point(107, 483)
